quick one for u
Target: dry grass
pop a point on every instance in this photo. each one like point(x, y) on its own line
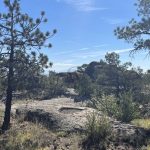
point(144, 123)
point(30, 136)
point(26, 136)
point(1, 116)
point(98, 132)
point(145, 148)
point(148, 148)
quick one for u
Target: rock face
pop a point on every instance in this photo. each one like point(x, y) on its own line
point(57, 114)
point(129, 134)
point(66, 118)
point(64, 114)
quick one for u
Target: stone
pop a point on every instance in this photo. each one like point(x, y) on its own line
point(62, 114)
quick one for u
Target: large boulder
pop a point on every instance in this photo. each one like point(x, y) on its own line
point(64, 114)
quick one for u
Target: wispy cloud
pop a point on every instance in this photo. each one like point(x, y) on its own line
point(96, 54)
point(83, 5)
point(89, 55)
point(88, 52)
point(72, 51)
point(71, 62)
point(121, 50)
point(100, 46)
point(82, 49)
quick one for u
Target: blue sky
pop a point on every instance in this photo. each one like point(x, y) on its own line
point(85, 30)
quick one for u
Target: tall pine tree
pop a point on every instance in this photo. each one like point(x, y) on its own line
point(19, 33)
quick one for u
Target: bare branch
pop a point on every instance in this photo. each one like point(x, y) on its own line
point(4, 27)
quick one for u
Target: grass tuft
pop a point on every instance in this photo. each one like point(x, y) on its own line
point(144, 123)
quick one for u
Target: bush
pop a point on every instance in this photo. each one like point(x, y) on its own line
point(105, 103)
point(124, 109)
point(129, 110)
point(98, 130)
point(84, 86)
point(52, 86)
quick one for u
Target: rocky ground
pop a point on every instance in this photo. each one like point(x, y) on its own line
point(63, 115)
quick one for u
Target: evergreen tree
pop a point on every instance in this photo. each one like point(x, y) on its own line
point(138, 32)
point(19, 35)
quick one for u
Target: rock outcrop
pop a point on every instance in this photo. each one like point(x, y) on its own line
point(64, 114)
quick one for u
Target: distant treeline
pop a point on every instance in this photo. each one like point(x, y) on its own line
point(110, 76)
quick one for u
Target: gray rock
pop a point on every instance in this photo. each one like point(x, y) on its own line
point(64, 114)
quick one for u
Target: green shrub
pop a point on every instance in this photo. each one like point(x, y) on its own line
point(106, 103)
point(52, 86)
point(84, 86)
point(98, 130)
point(123, 109)
point(129, 110)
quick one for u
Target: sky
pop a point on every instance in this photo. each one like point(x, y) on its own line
point(85, 30)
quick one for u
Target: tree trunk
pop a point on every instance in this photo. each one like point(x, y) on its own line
point(6, 122)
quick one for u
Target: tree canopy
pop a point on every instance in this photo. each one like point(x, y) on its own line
point(137, 32)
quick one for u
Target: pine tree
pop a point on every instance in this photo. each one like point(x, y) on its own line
point(18, 33)
point(138, 32)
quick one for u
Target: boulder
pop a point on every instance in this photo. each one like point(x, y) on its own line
point(63, 114)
